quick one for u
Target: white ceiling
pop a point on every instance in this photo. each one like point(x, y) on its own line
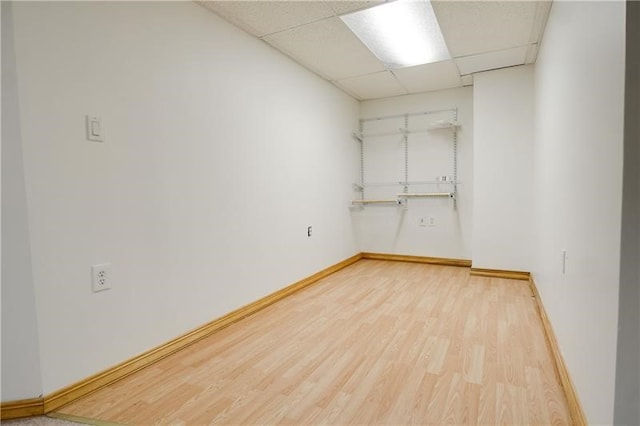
point(480, 35)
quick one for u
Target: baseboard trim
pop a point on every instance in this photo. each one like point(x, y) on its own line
point(82, 420)
point(417, 259)
point(21, 408)
point(573, 402)
point(499, 273)
point(93, 383)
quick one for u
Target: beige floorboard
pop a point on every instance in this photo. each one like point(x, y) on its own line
point(378, 342)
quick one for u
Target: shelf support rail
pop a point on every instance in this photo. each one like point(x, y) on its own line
point(405, 136)
point(455, 160)
point(361, 140)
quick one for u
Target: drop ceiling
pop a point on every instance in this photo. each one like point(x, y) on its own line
point(480, 36)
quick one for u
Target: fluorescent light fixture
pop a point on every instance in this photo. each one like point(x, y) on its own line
point(401, 34)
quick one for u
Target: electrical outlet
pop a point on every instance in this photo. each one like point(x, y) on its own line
point(427, 221)
point(101, 277)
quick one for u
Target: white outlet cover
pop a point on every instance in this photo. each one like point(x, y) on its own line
point(101, 277)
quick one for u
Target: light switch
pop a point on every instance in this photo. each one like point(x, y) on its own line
point(94, 129)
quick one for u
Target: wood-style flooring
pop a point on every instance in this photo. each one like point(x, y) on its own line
point(378, 342)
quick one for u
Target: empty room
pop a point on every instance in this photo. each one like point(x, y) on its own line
point(320, 212)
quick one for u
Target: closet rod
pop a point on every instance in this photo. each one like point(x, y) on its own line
point(394, 201)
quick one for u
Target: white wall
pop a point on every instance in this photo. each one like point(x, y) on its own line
point(20, 354)
point(389, 229)
point(579, 90)
point(219, 153)
point(502, 169)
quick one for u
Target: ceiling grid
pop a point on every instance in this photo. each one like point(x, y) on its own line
point(480, 36)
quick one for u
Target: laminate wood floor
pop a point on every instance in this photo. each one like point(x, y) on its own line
point(376, 343)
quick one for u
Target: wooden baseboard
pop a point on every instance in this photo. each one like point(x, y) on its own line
point(21, 408)
point(417, 259)
point(82, 420)
point(499, 273)
point(70, 393)
point(575, 408)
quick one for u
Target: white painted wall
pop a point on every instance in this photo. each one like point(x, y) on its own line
point(389, 229)
point(579, 94)
point(219, 153)
point(503, 168)
point(20, 369)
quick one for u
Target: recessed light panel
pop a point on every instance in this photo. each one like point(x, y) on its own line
point(401, 34)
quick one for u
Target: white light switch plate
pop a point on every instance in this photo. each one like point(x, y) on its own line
point(95, 132)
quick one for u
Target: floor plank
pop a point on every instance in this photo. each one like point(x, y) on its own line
point(377, 342)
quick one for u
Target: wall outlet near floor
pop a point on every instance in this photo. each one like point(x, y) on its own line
point(427, 221)
point(101, 277)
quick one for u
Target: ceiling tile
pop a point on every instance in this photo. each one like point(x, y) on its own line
point(472, 27)
point(480, 35)
point(492, 60)
point(434, 76)
point(342, 7)
point(373, 86)
point(329, 48)
point(267, 17)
